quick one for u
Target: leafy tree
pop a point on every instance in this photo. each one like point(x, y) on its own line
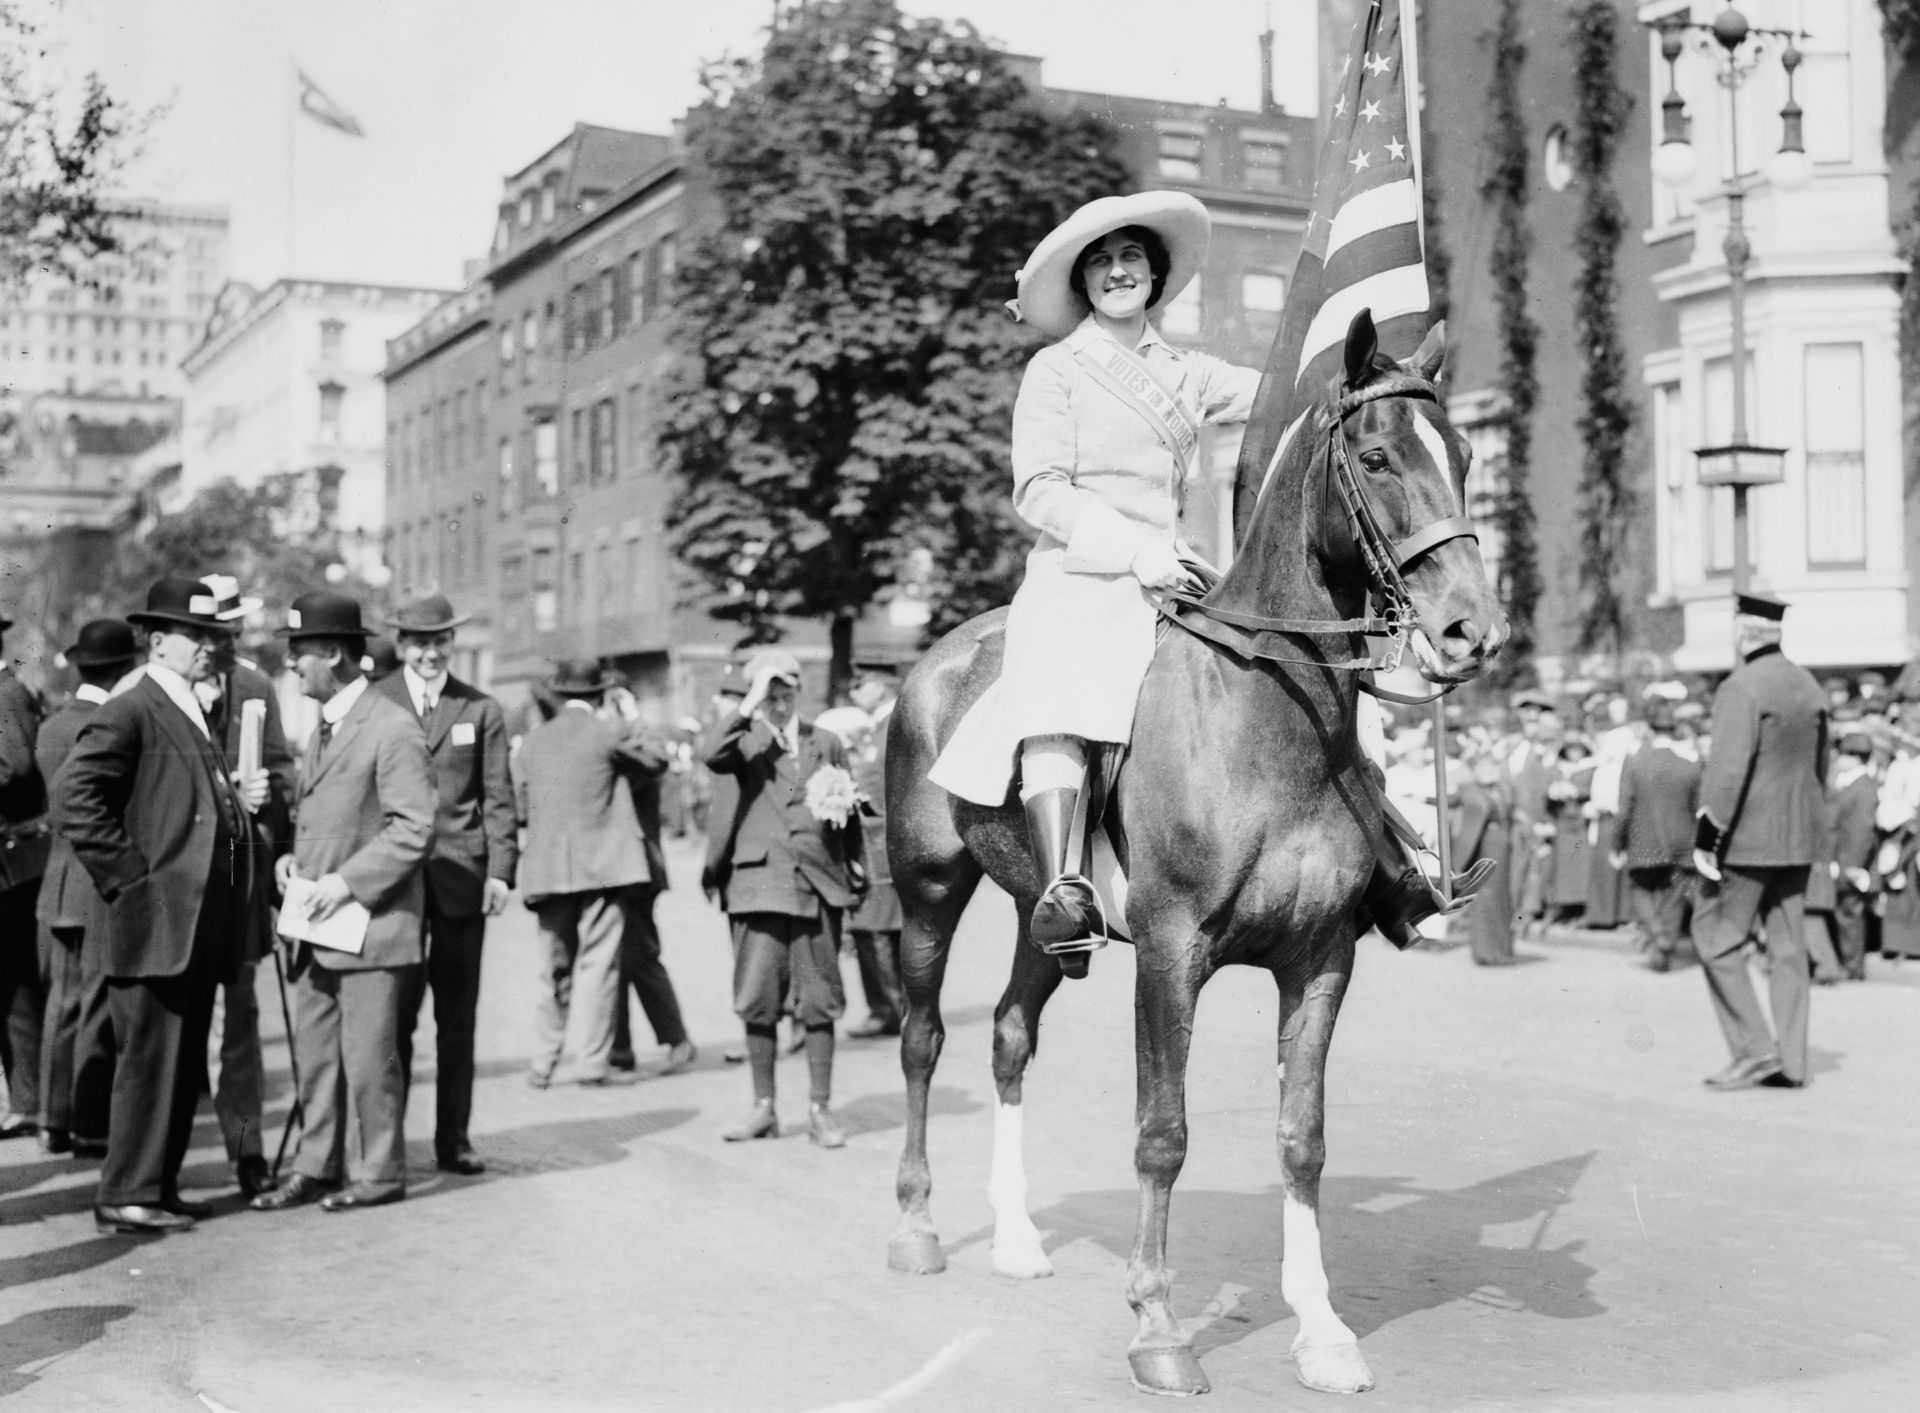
point(1606, 410)
point(56, 158)
point(870, 182)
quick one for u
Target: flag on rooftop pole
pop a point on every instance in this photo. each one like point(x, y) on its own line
point(1361, 249)
point(315, 103)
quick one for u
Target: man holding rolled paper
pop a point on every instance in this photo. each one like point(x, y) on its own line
point(146, 801)
point(354, 901)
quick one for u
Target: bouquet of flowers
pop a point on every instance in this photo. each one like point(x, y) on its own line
point(832, 796)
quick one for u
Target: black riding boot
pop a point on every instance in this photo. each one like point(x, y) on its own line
point(1399, 897)
point(1067, 917)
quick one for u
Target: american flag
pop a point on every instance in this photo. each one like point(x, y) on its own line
point(1362, 247)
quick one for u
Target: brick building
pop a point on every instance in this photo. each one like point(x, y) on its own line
point(559, 356)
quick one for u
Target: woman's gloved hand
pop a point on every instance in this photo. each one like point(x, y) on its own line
point(1156, 566)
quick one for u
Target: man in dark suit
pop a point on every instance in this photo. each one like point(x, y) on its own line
point(1855, 801)
point(364, 830)
point(876, 923)
point(239, 1095)
point(76, 1053)
point(24, 844)
point(786, 876)
point(640, 964)
point(1762, 807)
point(1653, 835)
point(585, 855)
point(476, 846)
point(147, 803)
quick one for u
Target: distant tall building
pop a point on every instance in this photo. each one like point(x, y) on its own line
point(287, 380)
point(127, 336)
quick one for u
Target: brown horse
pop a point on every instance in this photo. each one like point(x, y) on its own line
point(1245, 815)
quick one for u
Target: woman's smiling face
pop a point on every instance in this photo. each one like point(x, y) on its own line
point(1117, 277)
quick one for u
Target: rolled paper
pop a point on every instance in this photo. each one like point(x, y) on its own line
point(253, 719)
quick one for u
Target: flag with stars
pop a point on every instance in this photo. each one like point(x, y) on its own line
point(1361, 249)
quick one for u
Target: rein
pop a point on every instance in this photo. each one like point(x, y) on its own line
point(1250, 634)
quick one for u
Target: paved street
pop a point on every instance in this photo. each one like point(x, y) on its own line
point(1531, 1203)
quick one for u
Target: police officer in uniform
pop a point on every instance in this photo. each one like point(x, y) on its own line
point(1762, 804)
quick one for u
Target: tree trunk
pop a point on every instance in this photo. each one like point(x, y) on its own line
point(840, 666)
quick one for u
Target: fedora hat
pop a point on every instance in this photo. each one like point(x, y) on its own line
point(323, 614)
point(579, 677)
point(1046, 296)
point(103, 642)
point(228, 604)
point(430, 613)
point(178, 602)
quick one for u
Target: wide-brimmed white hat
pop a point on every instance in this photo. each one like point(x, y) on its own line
point(1047, 299)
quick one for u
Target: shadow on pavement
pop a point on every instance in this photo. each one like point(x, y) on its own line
point(48, 1334)
point(565, 1145)
point(872, 1113)
point(1385, 1262)
point(60, 1261)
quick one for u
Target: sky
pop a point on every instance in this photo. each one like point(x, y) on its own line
point(455, 94)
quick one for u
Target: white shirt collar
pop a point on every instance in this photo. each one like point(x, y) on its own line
point(424, 690)
point(341, 702)
point(1150, 339)
point(87, 692)
point(181, 692)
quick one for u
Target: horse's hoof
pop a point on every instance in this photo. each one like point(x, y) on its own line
point(1021, 1261)
point(1333, 1368)
point(917, 1253)
point(1174, 1372)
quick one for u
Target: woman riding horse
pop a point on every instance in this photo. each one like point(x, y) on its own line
point(1105, 441)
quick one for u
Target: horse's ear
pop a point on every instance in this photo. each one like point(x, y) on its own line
point(1363, 343)
point(1432, 353)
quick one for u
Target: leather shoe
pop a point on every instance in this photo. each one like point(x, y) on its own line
point(363, 1194)
point(255, 1176)
point(17, 1127)
point(873, 1028)
point(296, 1191)
point(139, 1219)
point(1779, 1080)
point(462, 1161)
point(824, 1129)
point(680, 1058)
point(89, 1147)
point(55, 1140)
point(761, 1123)
point(612, 1079)
point(1744, 1074)
point(180, 1207)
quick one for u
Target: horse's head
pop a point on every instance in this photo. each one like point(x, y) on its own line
point(1401, 519)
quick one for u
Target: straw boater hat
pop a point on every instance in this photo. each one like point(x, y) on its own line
point(229, 603)
point(175, 602)
point(1047, 299)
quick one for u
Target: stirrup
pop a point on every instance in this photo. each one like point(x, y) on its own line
point(1096, 935)
point(1465, 885)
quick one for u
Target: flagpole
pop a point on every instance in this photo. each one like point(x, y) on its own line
point(293, 113)
point(1410, 75)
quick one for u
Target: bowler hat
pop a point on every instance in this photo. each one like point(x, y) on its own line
point(324, 614)
point(103, 642)
point(430, 613)
point(380, 658)
point(180, 602)
point(579, 677)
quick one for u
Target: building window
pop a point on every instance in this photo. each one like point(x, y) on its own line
point(1836, 457)
point(1263, 294)
point(331, 331)
point(546, 455)
point(636, 289)
point(603, 308)
point(636, 432)
point(604, 463)
point(1826, 88)
point(577, 332)
point(509, 484)
point(526, 210)
point(1263, 162)
point(669, 265)
point(546, 603)
point(577, 577)
point(1181, 147)
point(603, 576)
point(546, 202)
point(577, 446)
point(506, 348)
point(1182, 316)
point(332, 396)
point(529, 333)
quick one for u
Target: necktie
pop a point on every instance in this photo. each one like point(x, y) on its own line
point(326, 733)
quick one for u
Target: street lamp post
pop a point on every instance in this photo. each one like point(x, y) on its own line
point(1739, 463)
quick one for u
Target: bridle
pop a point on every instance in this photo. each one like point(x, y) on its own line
point(1253, 635)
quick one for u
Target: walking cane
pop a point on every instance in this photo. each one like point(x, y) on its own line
point(296, 1114)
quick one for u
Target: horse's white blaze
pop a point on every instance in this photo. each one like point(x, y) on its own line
point(1436, 447)
point(1303, 1277)
point(1016, 1241)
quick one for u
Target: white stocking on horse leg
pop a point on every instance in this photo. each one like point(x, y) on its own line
point(1017, 1252)
point(1325, 1351)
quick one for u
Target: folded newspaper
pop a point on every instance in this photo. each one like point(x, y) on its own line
point(344, 930)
